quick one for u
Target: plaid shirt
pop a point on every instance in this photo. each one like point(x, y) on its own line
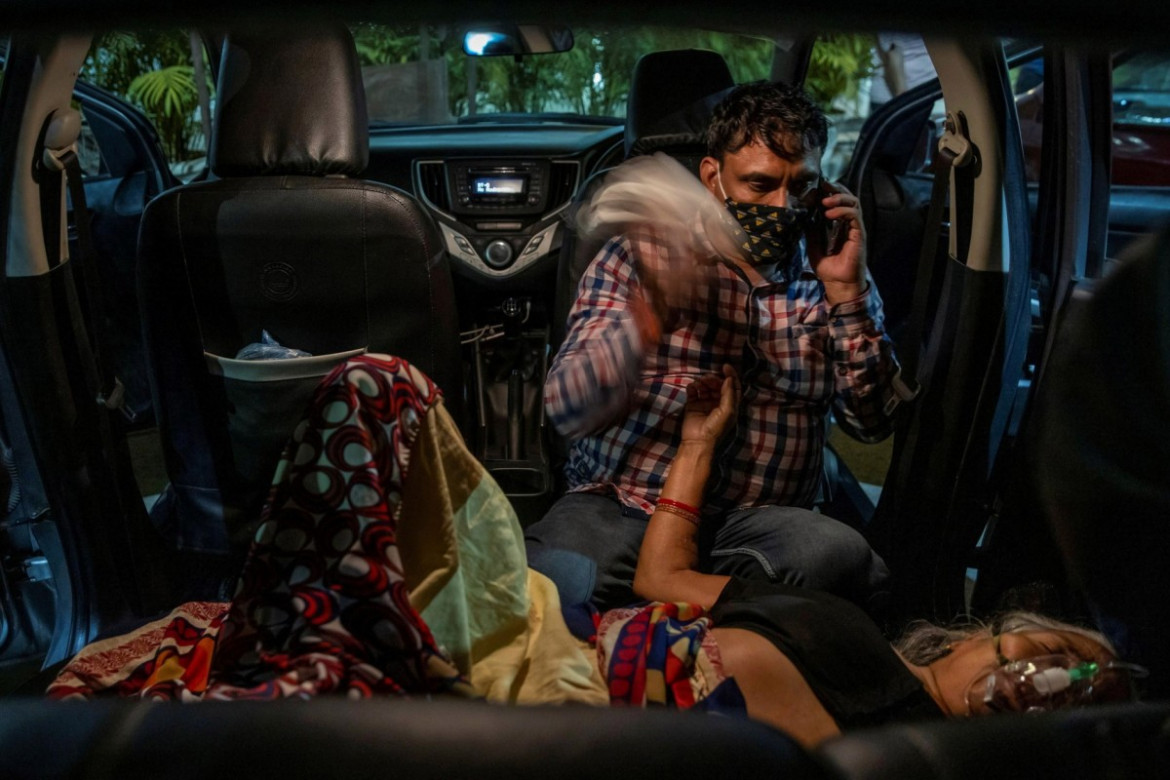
point(619, 401)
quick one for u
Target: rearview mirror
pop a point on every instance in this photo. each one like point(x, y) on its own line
point(517, 39)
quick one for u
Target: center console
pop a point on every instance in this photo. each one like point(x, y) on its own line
point(501, 222)
point(499, 217)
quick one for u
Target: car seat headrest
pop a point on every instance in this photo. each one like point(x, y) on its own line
point(290, 102)
point(671, 97)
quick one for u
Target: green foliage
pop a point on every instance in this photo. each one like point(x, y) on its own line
point(152, 70)
point(837, 65)
point(169, 95)
point(386, 45)
point(167, 91)
point(592, 79)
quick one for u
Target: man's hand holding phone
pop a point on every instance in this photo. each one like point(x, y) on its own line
point(836, 243)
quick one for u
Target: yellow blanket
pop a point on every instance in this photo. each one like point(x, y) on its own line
point(463, 549)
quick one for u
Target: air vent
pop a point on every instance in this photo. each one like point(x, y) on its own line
point(562, 183)
point(432, 183)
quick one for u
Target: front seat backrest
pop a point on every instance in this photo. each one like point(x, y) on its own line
point(672, 95)
point(284, 242)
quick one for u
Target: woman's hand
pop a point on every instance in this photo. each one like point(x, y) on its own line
point(669, 555)
point(710, 407)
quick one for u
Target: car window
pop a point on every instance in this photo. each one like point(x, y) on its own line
point(1027, 82)
point(164, 74)
point(853, 75)
point(420, 74)
point(89, 151)
point(1141, 116)
point(1141, 89)
point(1141, 119)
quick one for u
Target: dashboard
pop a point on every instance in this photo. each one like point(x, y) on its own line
point(497, 191)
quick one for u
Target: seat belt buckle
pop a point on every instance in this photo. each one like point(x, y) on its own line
point(903, 390)
point(954, 140)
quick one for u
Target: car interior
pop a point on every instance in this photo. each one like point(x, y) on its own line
point(335, 196)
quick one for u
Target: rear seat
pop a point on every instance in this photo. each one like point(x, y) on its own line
point(384, 738)
point(447, 739)
point(1100, 742)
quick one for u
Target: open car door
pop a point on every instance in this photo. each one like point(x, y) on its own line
point(79, 555)
point(960, 315)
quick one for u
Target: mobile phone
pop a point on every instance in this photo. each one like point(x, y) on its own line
point(829, 234)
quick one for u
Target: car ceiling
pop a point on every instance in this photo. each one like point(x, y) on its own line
point(1143, 20)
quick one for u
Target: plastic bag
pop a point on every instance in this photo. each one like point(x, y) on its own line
point(269, 348)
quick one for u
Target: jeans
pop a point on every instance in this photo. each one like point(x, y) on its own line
point(588, 545)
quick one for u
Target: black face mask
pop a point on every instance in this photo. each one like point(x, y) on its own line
point(768, 234)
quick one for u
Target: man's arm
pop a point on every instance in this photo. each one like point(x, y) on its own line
point(864, 367)
point(860, 353)
point(596, 370)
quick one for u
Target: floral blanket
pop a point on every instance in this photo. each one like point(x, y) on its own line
point(352, 567)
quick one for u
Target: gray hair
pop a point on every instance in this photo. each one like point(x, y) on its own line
point(922, 642)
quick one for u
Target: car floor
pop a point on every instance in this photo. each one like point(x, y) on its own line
point(868, 462)
point(147, 460)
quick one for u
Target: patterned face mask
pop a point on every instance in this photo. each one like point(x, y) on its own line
point(766, 234)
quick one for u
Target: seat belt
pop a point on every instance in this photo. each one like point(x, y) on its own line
point(60, 155)
point(954, 151)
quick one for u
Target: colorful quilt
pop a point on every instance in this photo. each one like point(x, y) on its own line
point(361, 581)
point(659, 654)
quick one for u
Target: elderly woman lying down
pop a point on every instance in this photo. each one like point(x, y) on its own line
point(388, 562)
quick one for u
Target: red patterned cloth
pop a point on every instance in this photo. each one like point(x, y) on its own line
point(322, 606)
point(165, 659)
point(660, 654)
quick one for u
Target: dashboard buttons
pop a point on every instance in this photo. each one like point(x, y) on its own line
point(498, 253)
point(501, 256)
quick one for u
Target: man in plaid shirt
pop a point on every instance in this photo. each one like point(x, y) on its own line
point(802, 329)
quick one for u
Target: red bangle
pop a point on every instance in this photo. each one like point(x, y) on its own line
point(690, 517)
point(679, 505)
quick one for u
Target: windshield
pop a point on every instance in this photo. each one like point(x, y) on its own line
point(420, 74)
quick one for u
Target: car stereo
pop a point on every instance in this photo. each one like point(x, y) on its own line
point(503, 188)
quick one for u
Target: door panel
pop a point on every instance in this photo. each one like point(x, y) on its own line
point(1134, 212)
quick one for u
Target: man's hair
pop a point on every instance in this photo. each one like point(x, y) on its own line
point(782, 116)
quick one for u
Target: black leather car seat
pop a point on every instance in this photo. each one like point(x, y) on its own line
point(672, 95)
point(1103, 452)
point(417, 739)
point(286, 241)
